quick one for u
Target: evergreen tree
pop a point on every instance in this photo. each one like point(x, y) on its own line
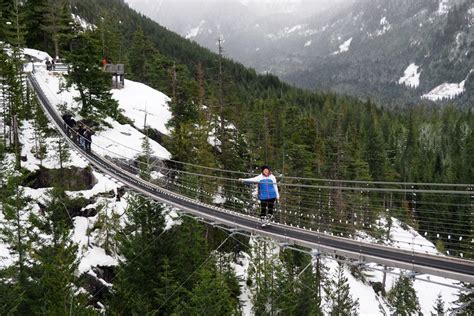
point(63, 154)
point(145, 159)
point(210, 295)
point(465, 301)
point(88, 78)
point(263, 271)
point(55, 261)
point(338, 298)
point(403, 297)
point(107, 228)
point(14, 232)
point(55, 22)
point(143, 252)
point(140, 57)
point(439, 309)
point(40, 127)
point(35, 11)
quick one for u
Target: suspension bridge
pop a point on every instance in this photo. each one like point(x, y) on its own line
point(334, 217)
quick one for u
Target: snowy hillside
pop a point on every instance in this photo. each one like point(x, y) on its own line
point(121, 140)
point(102, 194)
point(365, 48)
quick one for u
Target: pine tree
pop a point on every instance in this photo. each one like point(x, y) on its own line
point(263, 271)
point(145, 159)
point(40, 127)
point(15, 36)
point(465, 301)
point(107, 227)
point(403, 297)
point(55, 257)
point(143, 249)
point(35, 11)
point(90, 81)
point(439, 309)
point(63, 154)
point(55, 22)
point(338, 298)
point(14, 232)
point(140, 56)
point(210, 295)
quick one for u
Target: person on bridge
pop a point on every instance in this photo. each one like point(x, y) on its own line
point(267, 191)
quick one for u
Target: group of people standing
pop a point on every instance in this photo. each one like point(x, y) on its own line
point(78, 132)
point(51, 64)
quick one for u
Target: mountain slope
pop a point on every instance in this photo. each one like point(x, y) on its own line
point(388, 37)
point(301, 44)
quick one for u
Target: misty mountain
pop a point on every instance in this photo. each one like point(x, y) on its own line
point(392, 51)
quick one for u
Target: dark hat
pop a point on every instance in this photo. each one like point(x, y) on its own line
point(266, 167)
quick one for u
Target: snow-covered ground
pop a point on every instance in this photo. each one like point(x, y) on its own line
point(27, 138)
point(344, 47)
point(447, 90)
point(37, 55)
point(411, 77)
point(136, 99)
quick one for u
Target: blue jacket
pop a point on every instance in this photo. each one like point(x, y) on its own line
point(267, 186)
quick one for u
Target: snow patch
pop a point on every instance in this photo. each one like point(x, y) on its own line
point(445, 91)
point(93, 257)
point(37, 55)
point(344, 47)
point(289, 30)
point(86, 26)
point(195, 31)
point(443, 7)
point(411, 77)
point(385, 27)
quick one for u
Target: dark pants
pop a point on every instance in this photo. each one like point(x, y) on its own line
point(266, 207)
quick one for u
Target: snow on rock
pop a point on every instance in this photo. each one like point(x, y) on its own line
point(385, 27)
point(195, 31)
point(95, 256)
point(344, 47)
point(104, 184)
point(289, 30)
point(136, 99)
point(241, 268)
point(411, 77)
point(37, 55)
point(445, 91)
point(443, 7)
point(86, 26)
point(172, 218)
point(308, 43)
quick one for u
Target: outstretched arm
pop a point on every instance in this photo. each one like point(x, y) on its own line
point(255, 179)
